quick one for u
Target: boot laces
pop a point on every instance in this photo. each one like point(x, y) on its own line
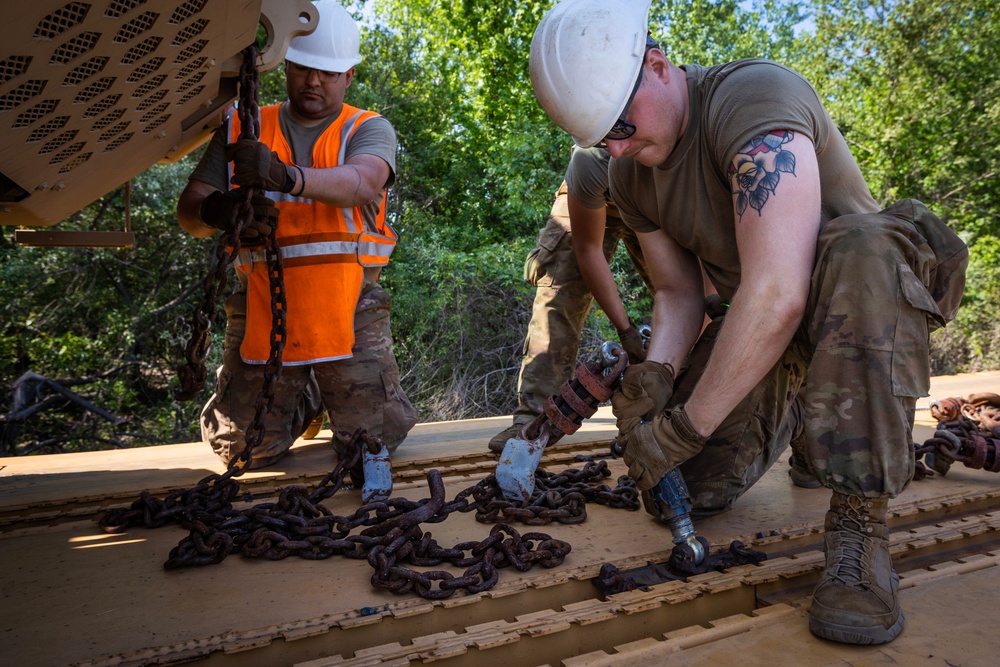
point(854, 546)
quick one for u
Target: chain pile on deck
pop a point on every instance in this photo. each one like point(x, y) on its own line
point(968, 432)
point(391, 538)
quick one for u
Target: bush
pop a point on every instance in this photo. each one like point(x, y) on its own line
point(972, 342)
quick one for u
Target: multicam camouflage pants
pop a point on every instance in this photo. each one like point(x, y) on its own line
point(845, 390)
point(562, 301)
point(360, 392)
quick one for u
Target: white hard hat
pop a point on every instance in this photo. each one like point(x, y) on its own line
point(334, 46)
point(585, 59)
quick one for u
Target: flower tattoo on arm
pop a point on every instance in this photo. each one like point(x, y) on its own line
point(755, 171)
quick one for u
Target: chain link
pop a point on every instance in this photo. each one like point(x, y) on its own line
point(387, 534)
point(968, 432)
point(192, 374)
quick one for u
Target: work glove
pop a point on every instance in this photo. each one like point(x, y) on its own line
point(654, 448)
point(644, 392)
point(220, 209)
point(632, 343)
point(256, 165)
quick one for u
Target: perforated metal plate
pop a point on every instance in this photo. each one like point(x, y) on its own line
point(93, 93)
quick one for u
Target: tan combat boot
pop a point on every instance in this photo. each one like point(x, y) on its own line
point(498, 441)
point(314, 426)
point(802, 476)
point(857, 600)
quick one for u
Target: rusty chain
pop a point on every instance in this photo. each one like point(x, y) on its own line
point(968, 432)
point(577, 399)
point(215, 492)
point(192, 374)
point(390, 536)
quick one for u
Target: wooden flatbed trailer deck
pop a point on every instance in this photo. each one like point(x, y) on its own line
point(73, 595)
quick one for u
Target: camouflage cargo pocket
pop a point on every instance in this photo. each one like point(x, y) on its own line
point(911, 345)
point(399, 415)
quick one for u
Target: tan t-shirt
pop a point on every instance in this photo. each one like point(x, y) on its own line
point(689, 195)
point(587, 180)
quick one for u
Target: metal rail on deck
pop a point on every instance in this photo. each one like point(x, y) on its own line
point(563, 609)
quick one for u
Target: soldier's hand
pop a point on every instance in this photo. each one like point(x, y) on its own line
point(256, 165)
point(220, 210)
point(632, 343)
point(265, 219)
point(652, 449)
point(644, 392)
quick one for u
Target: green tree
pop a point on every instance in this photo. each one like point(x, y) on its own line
point(915, 89)
point(117, 317)
point(708, 32)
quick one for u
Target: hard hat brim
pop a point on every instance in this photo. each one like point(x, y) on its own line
point(325, 64)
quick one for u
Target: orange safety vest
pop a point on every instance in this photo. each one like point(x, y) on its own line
point(324, 251)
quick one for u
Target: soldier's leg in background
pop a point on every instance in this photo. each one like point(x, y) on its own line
point(364, 391)
point(800, 471)
point(552, 340)
point(231, 409)
point(558, 312)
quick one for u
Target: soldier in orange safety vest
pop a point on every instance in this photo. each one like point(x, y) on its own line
point(325, 167)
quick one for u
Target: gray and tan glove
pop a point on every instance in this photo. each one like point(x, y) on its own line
point(645, 390)
point(256, 165)
point(220, 209)
point(632, 343)
point(652, 449)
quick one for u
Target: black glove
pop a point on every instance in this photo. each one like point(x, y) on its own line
point(652, 449)
point(255, 165)
point(220, 209)
point(645, 390)
point(632, 343)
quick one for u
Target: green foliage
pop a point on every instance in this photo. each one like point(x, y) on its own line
point(708, 32)
point(476, 150)
point(914, 88)
point(977, 322)
point(458, 322)
point(111, 323)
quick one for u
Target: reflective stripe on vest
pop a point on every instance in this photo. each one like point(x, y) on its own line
point(369, 251)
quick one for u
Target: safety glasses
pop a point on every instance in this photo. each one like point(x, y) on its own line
point(302, 71)
point(622, 129)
